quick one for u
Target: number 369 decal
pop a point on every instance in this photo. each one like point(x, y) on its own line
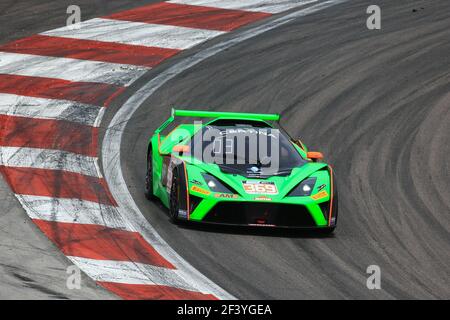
point(260, 187)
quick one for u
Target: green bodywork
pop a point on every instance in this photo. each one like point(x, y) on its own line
point(162, 145)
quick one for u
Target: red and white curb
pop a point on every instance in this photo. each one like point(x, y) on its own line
point(54, 88)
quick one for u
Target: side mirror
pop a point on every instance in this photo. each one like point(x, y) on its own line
point(181, 149)
point(299, 143)
point(314, 156)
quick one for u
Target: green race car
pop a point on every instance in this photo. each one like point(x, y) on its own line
point(239, 169)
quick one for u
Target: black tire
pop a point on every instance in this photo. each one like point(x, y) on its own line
point(149, 177)
point(174, 197)
point(330, 230)
point(336, 204)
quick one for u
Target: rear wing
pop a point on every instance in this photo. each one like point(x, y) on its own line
point(215, 114)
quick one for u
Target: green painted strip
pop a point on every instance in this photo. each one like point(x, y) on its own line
point(214, 114)
point(317, 215)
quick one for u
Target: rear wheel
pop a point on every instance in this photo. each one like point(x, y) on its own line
point(174, 197)
point(149, 177)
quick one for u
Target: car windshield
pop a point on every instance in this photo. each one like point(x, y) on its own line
point(247, 149)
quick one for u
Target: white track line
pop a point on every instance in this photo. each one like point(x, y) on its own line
point(48, 159)
point(72, 211)
point(133, 273)
point(267, 6)
point(69, 69)
point(113, 139)
point(40, 108)
point(136, 33)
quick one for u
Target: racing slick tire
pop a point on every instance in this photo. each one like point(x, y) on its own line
point(149, 177)
point(174, 199)
point(330, 230)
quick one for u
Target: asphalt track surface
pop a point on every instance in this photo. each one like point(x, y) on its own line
point(377, 104)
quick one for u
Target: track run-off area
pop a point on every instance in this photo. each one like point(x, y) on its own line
point(77, 106)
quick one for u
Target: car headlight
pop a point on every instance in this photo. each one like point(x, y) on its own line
point(304, 189)
point(214, 184)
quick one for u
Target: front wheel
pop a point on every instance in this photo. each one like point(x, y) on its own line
point(149, 177)
point(335, 207)
point(174, 197)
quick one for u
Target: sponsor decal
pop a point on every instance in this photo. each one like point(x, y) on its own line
point(333, 221)
point(261, 225)
point(320, 188)
point(263, 198)
point(226, 196)
point(182, 214)
point(260, 187)
point(320, 195)
point(200, 190)
point(231, 131)
point(255, 169)
point(193, 181)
